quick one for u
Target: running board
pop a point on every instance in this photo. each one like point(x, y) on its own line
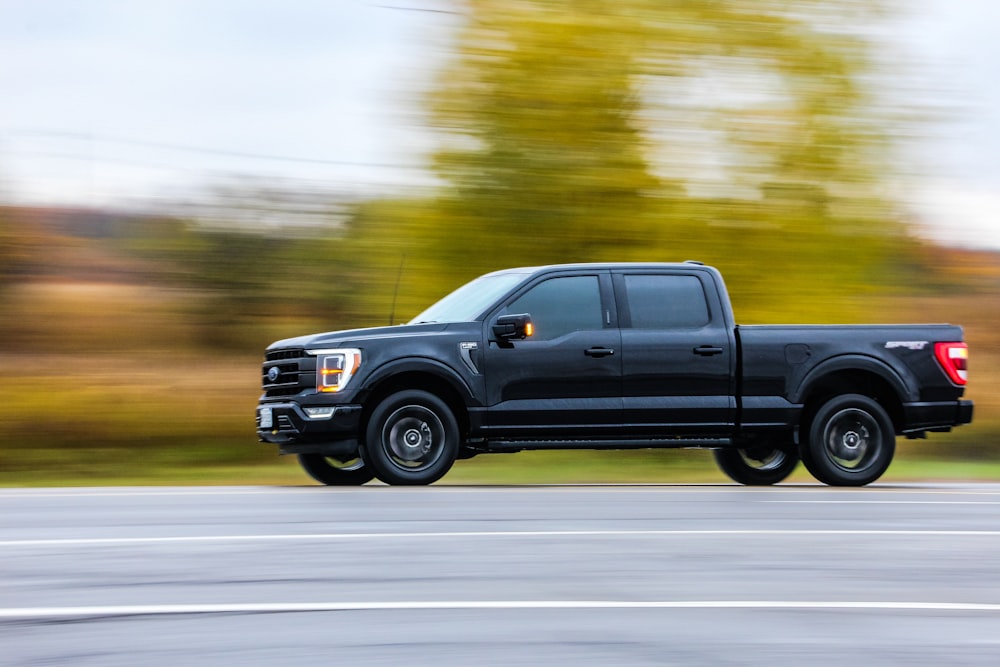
point(516, 445)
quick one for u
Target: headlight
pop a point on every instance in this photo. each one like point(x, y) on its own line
point(335, 368)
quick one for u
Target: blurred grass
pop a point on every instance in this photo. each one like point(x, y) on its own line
point(132, 468)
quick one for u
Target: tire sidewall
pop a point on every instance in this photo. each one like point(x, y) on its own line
point(731, 462)
point(819, 461)
point(374, 451)
point(323, 472)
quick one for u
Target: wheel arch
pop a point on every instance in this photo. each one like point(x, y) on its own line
point(425, 375)
point(854, 374)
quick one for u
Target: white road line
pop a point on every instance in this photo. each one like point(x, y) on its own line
point(883, 502)
point(985, 488)
point(88, 541)
point(30, 613)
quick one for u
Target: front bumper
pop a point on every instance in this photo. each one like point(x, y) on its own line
point(288, 424)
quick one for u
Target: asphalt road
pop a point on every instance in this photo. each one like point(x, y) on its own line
point(632, 575)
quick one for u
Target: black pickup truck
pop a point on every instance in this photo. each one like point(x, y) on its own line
point(607, 356)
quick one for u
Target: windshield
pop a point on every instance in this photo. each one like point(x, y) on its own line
point(469, 301)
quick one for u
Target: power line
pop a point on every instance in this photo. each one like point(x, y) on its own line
point(121, 141)
point(429, 10)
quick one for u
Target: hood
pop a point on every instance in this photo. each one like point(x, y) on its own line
point(334, 338)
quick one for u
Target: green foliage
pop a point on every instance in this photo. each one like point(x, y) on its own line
point(736, 132)
point(543, 157)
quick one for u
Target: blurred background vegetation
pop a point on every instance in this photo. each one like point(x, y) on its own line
point(754, 135)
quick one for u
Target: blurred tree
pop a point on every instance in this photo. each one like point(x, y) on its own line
point(742, 132)
point(260, 262)
point(18, 247)
point(544, 155)
point(7, 238)
point(789, 151)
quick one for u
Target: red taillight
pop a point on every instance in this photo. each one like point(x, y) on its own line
point(954, 359)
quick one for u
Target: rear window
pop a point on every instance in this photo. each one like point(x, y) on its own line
point(666, 301)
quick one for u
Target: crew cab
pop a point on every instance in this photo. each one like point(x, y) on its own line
point(608, 356)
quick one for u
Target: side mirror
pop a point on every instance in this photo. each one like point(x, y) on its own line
point(513, 327)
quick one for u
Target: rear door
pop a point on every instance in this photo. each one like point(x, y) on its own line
point(566, 377)
point(678, 357)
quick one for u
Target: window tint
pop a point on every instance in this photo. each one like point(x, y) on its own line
point(562, 305)
point(666, 302)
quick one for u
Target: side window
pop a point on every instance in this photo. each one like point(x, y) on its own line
point(560, 306)
point(666, 302)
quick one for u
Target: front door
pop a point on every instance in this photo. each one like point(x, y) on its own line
point(566, 377)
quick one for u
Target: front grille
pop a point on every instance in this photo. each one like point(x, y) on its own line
point(278, 355)
point(282, 391)
point(296, 372)
point(287, 374)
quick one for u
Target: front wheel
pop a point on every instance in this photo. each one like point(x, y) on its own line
point(758, 465)
point(334, 471)
point(412, 438)
point(850, 441)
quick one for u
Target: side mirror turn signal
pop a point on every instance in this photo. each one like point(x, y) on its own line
point(513, 327)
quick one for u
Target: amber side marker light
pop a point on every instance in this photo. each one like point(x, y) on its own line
point(954, 360)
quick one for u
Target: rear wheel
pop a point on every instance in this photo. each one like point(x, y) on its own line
point(412, 438)
point(334, 471)
point(758, 465)
point(850, 441)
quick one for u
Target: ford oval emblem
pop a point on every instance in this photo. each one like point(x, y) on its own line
point(272, 373)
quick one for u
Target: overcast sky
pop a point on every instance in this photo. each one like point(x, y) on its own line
point(116, 102)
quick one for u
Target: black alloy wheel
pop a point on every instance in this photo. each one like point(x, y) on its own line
point(849, 442)
point(412, 438)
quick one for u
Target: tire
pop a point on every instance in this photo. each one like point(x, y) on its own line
point(336, 472)
point(849, 442)
point(412, 438)
point(757, 466)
